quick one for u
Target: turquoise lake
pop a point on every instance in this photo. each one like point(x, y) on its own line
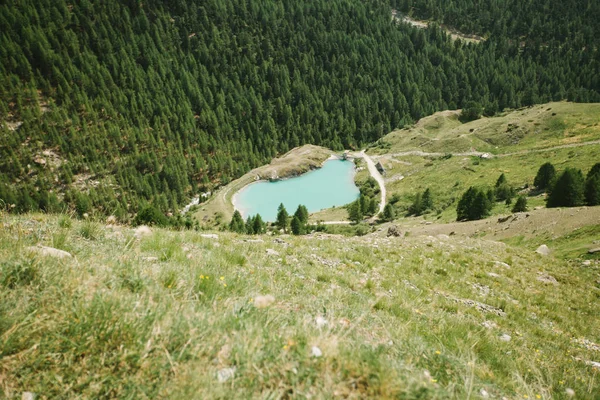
point(326, 187)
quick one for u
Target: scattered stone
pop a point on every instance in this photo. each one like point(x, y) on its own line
point(150, 259)
point(209, 235)
point(484, 393)
point(594, 251)
point(493, 275)
point(111, 220)
point(410, 285)
point(542, 277)
point(485, 308)
point(280, 241)
point(543, 250)
point(489, 324)
point(316, 352)
point(570, 392)
point(263, 301)
point(505, 338)
point(589, 345)
point(50, 251)
point(394, 231)
point(142, 230)
point(272, 252)
point(254, 241)
point(586, 263)
point(320, 321)
point(501, 264)
point(483, 289)
point(594, 364)
point(225, 374)
point(28, 396)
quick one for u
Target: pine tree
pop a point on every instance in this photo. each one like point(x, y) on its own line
point(568, 191)
point(237, 223)
point(259, 227)
point(297, 227)
point(592, 186)
point(545, 175)
point(427, 200)
point(520, 205)
point(302, 214)
point(388, 212)
point(354, 212)
point(282, 218)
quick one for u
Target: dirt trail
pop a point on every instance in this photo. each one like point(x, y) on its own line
point(420, 153)
point(377, 176)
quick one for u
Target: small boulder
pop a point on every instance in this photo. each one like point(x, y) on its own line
point(505, 338)
point(394, 231)
point(594, 251)
point(28, 396)
point(543, 250)
point(316, 352)
point(542, 277)
point(263, 301)
point(50, 251)
point(225, 374)
point(272, 252)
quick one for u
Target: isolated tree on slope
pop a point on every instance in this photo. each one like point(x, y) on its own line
point(520, 205)
point(302, 214)
point(297, 226)
point(388, 212)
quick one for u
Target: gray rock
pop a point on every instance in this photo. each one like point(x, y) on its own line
point(594, 251)
point(225, 374)
point(209, 236)
point(50, 251)
point(505, 338)
point(543, 250)
point(28, 396)
point(272, 252)
point(542, 277)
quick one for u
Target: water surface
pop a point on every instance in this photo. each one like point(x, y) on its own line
point(326, 187)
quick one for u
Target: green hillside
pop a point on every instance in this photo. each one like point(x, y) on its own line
point(107, 106)
point(180, 315)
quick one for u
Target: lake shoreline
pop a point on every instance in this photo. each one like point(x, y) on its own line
point(235, 200)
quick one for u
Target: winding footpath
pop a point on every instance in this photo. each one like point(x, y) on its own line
point(377, 176)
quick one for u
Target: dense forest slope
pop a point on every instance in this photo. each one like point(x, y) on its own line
point(535, 21)
point(108, 105)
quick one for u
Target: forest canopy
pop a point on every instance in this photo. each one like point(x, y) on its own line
point(130, 103)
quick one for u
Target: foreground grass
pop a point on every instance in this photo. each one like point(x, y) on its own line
point(164, 315)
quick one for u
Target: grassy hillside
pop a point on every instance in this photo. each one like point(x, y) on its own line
point(181, 315)
point(441, 153)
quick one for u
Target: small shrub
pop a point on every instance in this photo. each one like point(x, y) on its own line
point(90, 230)
point(17, 273)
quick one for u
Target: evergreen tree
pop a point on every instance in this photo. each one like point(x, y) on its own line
point(416, 208)
point(427, 200)
point(520, 205)
point(568, 191)
point(473, 205)
point(250, 226)
point(471, 111)
point(544, 177)
point(258, 226)
point(388, 212)
point(302, 214)
point(297, 226)
point(592, 186)
point(282, 218)
point(149, 215)
point(237, 223)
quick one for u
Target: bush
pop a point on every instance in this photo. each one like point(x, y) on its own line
point(568, 191)
point(149, 215)
point(471, 111)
